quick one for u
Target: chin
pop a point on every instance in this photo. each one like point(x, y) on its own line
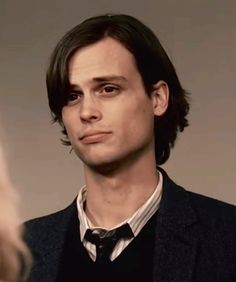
point(105, 164)
point(108, 167)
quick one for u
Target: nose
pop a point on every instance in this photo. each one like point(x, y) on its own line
point(90, 110)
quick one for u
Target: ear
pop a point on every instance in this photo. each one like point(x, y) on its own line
point(160, 97)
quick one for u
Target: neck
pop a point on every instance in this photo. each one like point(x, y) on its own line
point(113, 197)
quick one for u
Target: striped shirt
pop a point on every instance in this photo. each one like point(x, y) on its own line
point(136, 221)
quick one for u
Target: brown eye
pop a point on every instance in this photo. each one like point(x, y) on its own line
point(110, 89)
point(73, 97)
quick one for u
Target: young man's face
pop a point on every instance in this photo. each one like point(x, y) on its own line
point(109, 117)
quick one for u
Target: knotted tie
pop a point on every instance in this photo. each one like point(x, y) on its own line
point(105, 241)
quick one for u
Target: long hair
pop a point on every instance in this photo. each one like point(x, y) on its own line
point(15, 257)
point(152, 62)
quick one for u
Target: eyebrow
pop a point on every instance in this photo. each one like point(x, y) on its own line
point(107, 78)
point(110, 78)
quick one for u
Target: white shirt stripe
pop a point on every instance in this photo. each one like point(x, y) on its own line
point(136, 221)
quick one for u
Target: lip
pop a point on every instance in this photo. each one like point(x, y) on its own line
point(94, 137)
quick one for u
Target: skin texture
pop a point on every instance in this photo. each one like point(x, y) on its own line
point(109, 119)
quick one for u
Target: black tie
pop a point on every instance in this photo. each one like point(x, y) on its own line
point(105, 241)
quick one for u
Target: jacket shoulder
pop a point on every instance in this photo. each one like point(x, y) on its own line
point(41, 229)
point(213, 211)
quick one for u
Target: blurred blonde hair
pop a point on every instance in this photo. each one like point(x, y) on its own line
point(14, 255)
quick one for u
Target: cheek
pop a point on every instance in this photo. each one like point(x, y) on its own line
point(138, 122)
point(68, 122)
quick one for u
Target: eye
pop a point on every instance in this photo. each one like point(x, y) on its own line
point(110, 89)
point(73, 97)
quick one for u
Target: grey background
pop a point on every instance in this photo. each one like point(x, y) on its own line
point(199, 36)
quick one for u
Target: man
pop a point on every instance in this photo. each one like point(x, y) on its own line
point(117, 97)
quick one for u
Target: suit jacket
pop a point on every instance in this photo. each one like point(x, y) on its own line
point(195, 239)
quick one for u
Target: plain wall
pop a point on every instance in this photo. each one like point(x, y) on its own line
point(200, 38)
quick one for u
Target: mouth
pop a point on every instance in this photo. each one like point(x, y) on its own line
point(94, 137)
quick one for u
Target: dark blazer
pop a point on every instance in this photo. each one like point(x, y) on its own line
point(195, 239)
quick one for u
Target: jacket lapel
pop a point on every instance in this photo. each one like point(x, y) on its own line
point(47, 256)
point(176, 244)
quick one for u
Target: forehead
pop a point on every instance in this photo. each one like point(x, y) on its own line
point(105, 57)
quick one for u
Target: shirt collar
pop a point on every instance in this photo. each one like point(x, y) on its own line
point(136, 221)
